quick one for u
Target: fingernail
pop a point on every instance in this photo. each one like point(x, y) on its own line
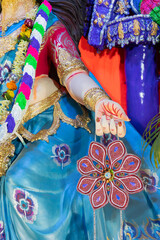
point(98, 119)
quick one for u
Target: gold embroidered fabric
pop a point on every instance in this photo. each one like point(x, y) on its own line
point(37, 108)
point(7, 149)
point(92, 96)
point(8, 43)
point(16, 16)
point(67, 65)
point(34, 110)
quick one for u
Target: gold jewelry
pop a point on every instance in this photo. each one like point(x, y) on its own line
point(8, 43)
point(14, 6)
point(92, 96)
point(67, 65)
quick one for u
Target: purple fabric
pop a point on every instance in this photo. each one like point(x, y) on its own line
point(109, 28)
point(34, 42)
point(10, 123)
point(27, 79)
point(43, 14)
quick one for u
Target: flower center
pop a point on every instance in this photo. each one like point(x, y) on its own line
point(62, 154)
point(107, 175)
point(24, 205)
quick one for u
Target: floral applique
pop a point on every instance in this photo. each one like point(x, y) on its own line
point(109, 179)
point(150, 180)
point(26, 205)
point(61, 154)
point(2, 233)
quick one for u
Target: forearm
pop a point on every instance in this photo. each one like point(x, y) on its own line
point(71, 71)
point(84, 90)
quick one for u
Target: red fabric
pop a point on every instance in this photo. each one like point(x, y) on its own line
point(55, 38)
point(108, 67)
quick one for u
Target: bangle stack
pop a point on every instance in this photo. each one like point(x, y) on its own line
point(92, 96)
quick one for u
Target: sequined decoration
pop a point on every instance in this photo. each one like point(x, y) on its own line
point(109, 179)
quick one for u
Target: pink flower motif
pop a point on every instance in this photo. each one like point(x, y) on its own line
point(148, 5)
point(109, 179)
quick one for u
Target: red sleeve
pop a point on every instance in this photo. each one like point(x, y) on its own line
point(60, 38)
point(55, 38)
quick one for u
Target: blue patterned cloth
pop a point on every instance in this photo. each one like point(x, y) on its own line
point(38, 196)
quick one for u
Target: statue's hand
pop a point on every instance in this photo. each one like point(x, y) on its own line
point(110, 117)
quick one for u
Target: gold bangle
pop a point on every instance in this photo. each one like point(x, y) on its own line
point(67, 65)
point(92, 96)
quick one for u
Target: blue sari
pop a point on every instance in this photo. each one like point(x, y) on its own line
point(38, 196)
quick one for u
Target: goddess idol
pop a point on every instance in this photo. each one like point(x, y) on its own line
point(44, 131)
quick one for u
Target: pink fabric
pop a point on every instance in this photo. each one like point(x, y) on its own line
point(47, 4)
point(33, 52)
point(148, 5)
point(24, 88)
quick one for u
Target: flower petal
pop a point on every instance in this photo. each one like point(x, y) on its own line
point(98, 153)
point(18, 195)
point(132, 183)
point(116, 151)
point(85, 166)
point(86, 184)
point(118, 198)
point(99, 197)
point(130, 164)
point(20, 210)
point(30, 202)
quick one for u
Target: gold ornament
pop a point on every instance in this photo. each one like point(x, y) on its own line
point(92, 96)
point(11, 11)
point(67, 65)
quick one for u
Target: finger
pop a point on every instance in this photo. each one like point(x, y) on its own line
point(99, 130)
point(121, 129)
point(105, 125)
point(123, 116)
point(113, 129)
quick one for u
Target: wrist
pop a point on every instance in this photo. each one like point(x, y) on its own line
point(93, 96)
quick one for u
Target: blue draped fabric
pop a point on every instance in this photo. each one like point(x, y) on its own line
point(38, 197)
